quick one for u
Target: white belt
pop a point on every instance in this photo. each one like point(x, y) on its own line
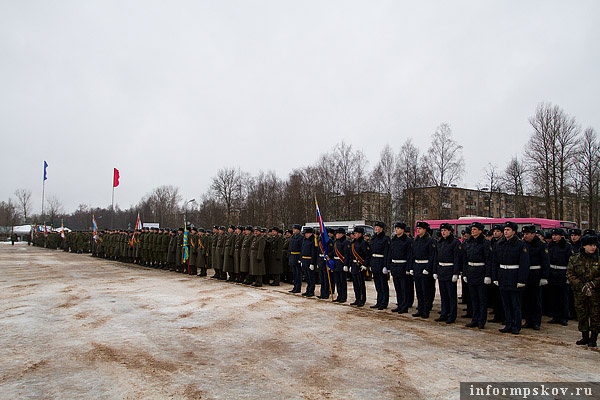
point(421, 261)
point(535, 267)
point(336, 258)
point(476, 264)
point(399, 261)
point(446, 264)
point(558, 267)
point(509, 266)
point(377, 255)
point(321, 255)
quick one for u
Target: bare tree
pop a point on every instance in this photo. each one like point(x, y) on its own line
point(226, 188)
point(384, 180)
point(55, 209)
point(587, 168)
point(514, 182)
point(446, 165)
point(9, 215)
point(551, 149)
point(24, 199)
point(491, 175)
point(411, 173)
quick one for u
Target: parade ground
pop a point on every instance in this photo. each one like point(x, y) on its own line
point(77, 327)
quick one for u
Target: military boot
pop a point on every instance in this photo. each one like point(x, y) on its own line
point(593, 339)
point(585, 338)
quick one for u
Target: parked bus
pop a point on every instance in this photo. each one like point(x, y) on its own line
point(539, 223)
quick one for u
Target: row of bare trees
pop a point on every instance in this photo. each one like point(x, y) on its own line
point(558, 161)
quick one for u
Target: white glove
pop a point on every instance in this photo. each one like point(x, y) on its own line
point(567, 282)
point(543, 282)
point(311, 267)
point(454, 278)
point(363, 268)
point(465, 279)
point(435, 276)
point(385, 271)
point(425, 272)
point(412, 272)
point(345, 268)
point(520, 285)
point(496, 283)
point(487, 280)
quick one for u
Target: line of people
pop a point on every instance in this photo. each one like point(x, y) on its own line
point(508, 270)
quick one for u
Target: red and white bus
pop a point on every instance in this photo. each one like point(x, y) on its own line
point(464, 222)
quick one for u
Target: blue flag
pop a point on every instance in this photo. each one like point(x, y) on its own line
point(324, 237)
point(45, 172)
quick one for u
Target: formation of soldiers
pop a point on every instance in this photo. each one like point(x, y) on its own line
point(520, 275)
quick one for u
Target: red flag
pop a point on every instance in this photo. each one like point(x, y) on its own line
point(116, 178)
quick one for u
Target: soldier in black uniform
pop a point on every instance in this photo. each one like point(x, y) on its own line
point(477, 273)
point(294, 259)
point(559, 252)
point(309, 252)
point(380, 247)
point(510, 272)
point(494, 298)
point(538, 276)
point(446, 271)
point(425, 253)
point(324, 271)
point(399, 258)
point(357, 261)
point(341, 247)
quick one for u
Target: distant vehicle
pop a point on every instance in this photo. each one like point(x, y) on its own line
point(347, 225)
point(464, 222)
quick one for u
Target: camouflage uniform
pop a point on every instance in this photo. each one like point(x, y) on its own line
point(584, 268)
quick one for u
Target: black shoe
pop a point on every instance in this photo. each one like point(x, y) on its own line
point(273, 284)
point(515, 331)
point(426, 315)
point(417, 314)
point(506, 329)
point(471, 325)
point(467, 316)
point(481, 326)
point(403, 312)
point(450, 321)
point(362, 303)
point(257, 284)
point(382, 307)
point(396, 309)
point(527, 326)
point(375, 306)
point(553, 321)
point(308, 294)
point(563, 322)
point(354, 303)
point(441, 319)
point(535, 327)
point(496, 320)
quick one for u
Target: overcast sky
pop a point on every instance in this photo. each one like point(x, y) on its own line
point(170, 92)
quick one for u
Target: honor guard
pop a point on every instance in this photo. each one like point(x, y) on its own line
point(294, 259)
point(380, 247)
point(477, 273)
point(559, 252)
point(425, 252)
point(399, 258)
point(341, 247)
point(538, 277)
point(510, 272)
point(446, 271)
point(357, 259)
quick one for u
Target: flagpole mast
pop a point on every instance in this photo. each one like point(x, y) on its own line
point(112, 206)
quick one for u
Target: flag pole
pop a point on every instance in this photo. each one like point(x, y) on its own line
point(112, 206)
